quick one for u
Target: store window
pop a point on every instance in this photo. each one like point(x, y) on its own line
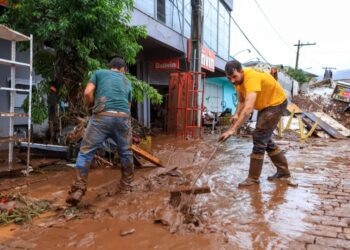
point(174, 15)
point(146, 6)
point(161, 14)
point(224, 32)
point(210, 33)
point(187, 18)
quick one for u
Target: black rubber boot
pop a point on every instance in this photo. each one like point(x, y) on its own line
point(280, 162)
point(77, 190)
point(256, 163)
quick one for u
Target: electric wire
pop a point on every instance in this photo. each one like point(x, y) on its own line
point(246, 37)
point(273, 27)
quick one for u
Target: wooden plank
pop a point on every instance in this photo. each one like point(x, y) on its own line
point(326, 127)
point(188, 190)
point(103, 161)
point(144, 154)
point(6, 114)
point(293, 107)
point(11, 139)
point(330, 121)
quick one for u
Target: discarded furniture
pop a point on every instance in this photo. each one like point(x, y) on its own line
point(294, 108)
point(303, 135)
point(47, 150)
point(14, 36)
point(342, 91)
point(332, 122)
point(326, 127)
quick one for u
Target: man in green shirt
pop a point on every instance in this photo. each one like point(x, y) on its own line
point(108, 95)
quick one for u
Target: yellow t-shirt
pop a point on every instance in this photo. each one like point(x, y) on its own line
point(269, 91)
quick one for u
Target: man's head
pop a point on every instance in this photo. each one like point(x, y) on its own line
point(118, 63)
point(234, 72)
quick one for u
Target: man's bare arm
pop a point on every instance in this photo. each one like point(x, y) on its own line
point(244, 115)
point(89, 95)
point(247, 109)
point(239, 108)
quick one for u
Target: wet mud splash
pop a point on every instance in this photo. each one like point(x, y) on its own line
point(269, 216)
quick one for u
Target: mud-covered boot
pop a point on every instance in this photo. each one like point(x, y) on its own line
point(127, 179)
point(256, 163)
point(279, 160)
point(77, 190)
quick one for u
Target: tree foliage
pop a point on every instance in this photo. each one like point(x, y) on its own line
point(73, 38)
point(139, 88)
point(298, 75)
point(40, 111)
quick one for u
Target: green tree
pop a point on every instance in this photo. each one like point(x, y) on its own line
point(298, 75)
point(73, 38)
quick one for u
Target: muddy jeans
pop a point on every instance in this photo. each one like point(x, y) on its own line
point(268, 119)
point(98, 130)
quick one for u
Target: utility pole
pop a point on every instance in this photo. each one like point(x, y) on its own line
point(196, 36)
point(299, 45)
point(196, 62)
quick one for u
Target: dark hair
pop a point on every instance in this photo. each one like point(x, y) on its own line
point(118, 63)
point(231, 66)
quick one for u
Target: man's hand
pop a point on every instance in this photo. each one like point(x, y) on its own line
point(233, 119)
point(227, 134)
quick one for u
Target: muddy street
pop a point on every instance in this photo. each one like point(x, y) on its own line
point(311, 211)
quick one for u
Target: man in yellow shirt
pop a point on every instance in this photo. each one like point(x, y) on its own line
point(260, 91)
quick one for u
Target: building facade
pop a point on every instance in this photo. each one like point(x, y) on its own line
point(168, 24)
point(165, 50)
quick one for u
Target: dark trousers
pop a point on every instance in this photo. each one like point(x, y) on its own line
point(267, 122)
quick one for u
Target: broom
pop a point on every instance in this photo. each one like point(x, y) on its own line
point(183, 199)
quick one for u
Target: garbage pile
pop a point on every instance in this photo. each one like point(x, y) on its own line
point(17, 208)
point(331, 98)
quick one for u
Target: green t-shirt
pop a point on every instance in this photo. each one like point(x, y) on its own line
point(113, 91)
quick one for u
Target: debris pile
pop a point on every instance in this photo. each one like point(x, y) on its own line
point(19, 209)
point(320, 100)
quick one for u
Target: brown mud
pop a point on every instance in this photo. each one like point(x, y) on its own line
point(273, 215)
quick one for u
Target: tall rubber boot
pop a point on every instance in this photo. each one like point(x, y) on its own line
point(279, 160)
point(127, 178)
point(78, 189)
point(256, 163)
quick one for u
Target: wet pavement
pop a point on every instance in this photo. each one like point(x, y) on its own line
point(272, 215)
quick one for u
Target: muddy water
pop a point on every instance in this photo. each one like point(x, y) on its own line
point(268, 216)
point(259, 217)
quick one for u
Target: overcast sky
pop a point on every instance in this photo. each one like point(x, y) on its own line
point(322, 21)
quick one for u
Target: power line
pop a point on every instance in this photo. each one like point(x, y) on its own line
point(246, 37)
point(277, 33)
point(273, 27)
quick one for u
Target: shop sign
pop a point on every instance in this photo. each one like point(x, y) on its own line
point(166, 64)
point(207, 57)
